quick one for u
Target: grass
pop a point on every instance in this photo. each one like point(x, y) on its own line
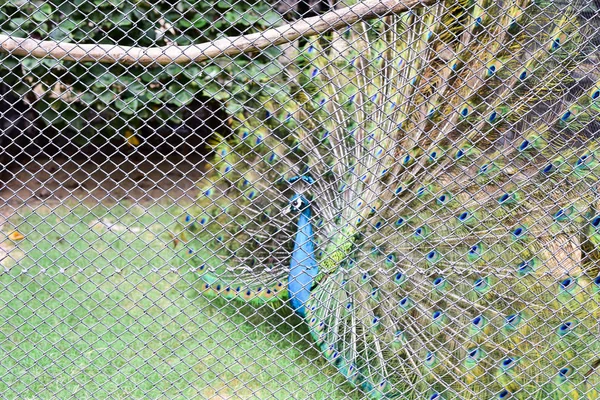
point(94, 303)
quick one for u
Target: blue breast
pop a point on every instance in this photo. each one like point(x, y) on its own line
point(303, 267)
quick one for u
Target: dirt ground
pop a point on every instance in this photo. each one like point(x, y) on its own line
point(105, 180)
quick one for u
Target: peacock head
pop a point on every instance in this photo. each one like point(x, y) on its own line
point(299, 201)
point(297, 204)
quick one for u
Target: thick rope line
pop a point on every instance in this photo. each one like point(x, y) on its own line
point(111, 54)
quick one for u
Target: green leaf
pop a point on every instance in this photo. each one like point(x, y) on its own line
point(20, 23)
point(235, 18)
point(128, 105)
point(67, 25)
point(18, 33)
point(88, 98)
point(192, 71)
point(42, 12)
point(63, 30)
point(133, 91)
point(158, 97)
point(200, 21)
point(273, 52)
point(252, 18)
point(233, 107)
point(84, 6)
point(126, 80)
point(52, 64)
point(154, 74)
point(216, 92)
point(96, 16)
point(108, 3)
point(17, 3)
point(43, 29)
point(107, 79)
point(174, 118)
point(184, 40)
point(144, 114)
point(29, 63)
point(271, 18)
point(236, 90)
point(136, 88)
point(146, 98)
point(172, 17)
point(211, 72)
point(8, 62)
point(174, 70)
point(182, 98)
point(70, 118)
point(106, 97)
point(272, 70)
point(119, 19)
point(184, 24)
point(66, 7)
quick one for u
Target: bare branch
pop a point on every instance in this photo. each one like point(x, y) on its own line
point(111, 54)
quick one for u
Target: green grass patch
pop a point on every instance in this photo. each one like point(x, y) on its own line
point(95, 303)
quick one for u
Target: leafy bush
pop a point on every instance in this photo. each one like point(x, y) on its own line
point(91, 97)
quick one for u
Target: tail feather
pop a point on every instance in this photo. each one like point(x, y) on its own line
point(453, 165)
point(227, 246)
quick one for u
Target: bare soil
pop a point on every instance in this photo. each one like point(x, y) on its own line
point(105, 180)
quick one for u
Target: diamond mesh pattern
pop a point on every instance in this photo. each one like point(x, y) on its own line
point(101, 164)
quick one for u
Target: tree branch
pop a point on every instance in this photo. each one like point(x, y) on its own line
point(164, 55)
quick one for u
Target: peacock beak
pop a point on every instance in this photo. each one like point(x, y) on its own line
point(286, 210)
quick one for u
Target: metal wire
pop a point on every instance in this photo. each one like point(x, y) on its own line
point(97, 299)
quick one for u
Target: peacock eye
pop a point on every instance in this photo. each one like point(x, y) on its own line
point(298, 203)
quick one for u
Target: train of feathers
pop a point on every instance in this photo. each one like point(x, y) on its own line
point(422, 191)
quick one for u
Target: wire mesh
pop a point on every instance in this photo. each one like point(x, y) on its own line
point(405, 207)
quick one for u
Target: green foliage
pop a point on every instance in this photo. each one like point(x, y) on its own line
point(93, 97)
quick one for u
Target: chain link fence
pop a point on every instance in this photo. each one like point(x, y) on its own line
point(145, 248)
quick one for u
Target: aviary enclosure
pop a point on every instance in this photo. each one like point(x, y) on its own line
point(308, 200)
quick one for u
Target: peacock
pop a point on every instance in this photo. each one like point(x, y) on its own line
point(423, 192)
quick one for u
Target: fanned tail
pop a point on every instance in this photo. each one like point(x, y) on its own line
point(471, 278)
point(236, 238)
point(453, 163)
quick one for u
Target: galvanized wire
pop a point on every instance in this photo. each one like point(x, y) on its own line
point(96, 163)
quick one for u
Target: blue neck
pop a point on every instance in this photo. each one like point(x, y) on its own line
point(303, 267)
